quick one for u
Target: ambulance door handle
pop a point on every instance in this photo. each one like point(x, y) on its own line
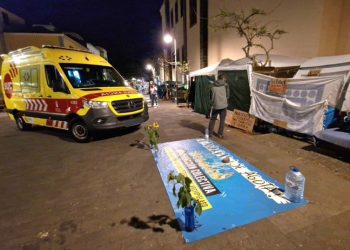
point(49, 96)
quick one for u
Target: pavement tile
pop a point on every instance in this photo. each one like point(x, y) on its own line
point(108, 194)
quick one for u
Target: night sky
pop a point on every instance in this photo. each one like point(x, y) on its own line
point(129, 30)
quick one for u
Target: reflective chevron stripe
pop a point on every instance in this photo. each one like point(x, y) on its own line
point(57, 124)
point(36, 105)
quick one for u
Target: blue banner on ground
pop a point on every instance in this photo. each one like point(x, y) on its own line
point(231, 194)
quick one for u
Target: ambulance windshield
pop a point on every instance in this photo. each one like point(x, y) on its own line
point(92, 76)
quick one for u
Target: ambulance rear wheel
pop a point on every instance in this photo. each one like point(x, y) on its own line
point(21, 124)
point(80, 132)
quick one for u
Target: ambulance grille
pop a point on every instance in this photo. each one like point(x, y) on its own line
point(126, 106)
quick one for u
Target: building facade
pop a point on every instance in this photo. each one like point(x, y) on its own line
point(314, 28)
point(11, 39)
point(7, 19)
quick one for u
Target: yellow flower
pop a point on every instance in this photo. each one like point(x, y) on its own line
point(155, 125)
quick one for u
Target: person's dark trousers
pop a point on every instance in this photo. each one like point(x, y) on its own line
point(153, 99)
point(214, 115)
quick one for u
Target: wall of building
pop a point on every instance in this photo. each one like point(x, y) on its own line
point(330, 27)
point(193, 49)
point(193, 40)
point(314, 28)
point(343, 45)
point(70, 43)
point(20, 40)
point(301, 19)
point(12, 19)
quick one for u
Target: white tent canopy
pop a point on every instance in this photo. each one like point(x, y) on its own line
point(302, 107)
point(225, 64)
point(325, 61)
point(245, 63)
point(329, 66)
point(276, 60)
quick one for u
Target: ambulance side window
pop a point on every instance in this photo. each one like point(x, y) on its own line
point(54, 80)
point(29, 78)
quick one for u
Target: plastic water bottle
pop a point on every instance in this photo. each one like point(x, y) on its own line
point(294, 187)
point(206, 134)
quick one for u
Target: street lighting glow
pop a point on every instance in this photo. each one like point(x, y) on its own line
point(167, 38)
point(152, 69)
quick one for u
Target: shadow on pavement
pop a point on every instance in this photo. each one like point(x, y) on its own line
point(193, 125)
point(154, 223)
point(102, 135)
point(140, 144)
point(97, 136)
point(330, 150)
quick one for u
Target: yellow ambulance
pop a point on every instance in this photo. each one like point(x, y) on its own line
point(68, 89)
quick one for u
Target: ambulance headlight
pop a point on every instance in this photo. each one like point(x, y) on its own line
point(96, 104)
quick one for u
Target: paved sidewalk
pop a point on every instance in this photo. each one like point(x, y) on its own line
point(107, 194)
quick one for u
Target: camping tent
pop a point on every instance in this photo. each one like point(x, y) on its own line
point(297, 104)
point(238, 81)
point(238, 75)
point(330, 66)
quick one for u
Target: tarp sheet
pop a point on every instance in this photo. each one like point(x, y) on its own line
point(202, 94)
point(330, 66)
point(232, 194)
point(336, 136)
point(303, 105)
point(238, 83)
point(238, 78)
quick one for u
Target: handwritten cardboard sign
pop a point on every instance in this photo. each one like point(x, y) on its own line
point(240, 119)
point(280, 123)
point(278, 86)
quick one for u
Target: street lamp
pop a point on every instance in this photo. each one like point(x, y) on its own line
point(169, 39)
point(151, 68)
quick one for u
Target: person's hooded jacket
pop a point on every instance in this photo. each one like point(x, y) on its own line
point(219, 94)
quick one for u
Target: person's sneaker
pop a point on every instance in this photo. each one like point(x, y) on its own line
point(220, 136)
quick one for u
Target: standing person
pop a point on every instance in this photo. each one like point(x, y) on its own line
point(191, 94)
point(153, 93)
point(166, 91)
point(219, 96)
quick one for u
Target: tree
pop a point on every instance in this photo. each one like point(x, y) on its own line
point(250, 29)
point(182, 67)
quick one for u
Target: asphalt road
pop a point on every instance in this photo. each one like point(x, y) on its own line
point(107, 194)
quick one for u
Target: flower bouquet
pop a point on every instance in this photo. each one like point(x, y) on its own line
point(153, 134)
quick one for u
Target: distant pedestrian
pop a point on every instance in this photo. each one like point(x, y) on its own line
point(166, 91)
point(153, 94)
point(191, 94)
point(219, 95)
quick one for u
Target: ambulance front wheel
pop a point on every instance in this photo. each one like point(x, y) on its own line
point(21, 124)
point(80, 132)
